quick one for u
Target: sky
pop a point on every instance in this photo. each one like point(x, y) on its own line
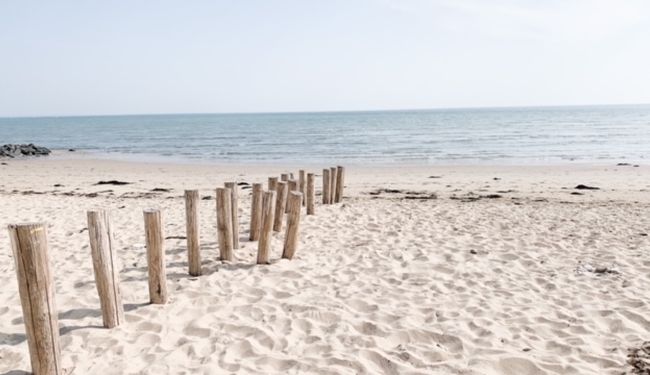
point(134, 57)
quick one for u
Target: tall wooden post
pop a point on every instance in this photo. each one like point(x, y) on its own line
point(310, 194)
point(36, 289)
point(224, 223)
point(234, 206)
point(106, 268)
point(293, 220)
point(156, 256)
point(326, 186)
point(264, 245)
point(340, 182)
point(284, 177)
point(280, 204)
point(192, 231)
point(302, 184)
point(273, 182)
point(292, 185)
point(256, 212)
point(333, 178)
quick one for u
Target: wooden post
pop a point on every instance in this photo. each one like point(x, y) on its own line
point(280, 203)
point(326, 186)
point(273, 183)
point(267, 210)
point(192, 232)
point(36, 289)
point(340, 181)
point(292, 185)
point(333, 179)
point(284, 177)
point(224, 223)
point(156, 256)
point(234, 206)
point(256, 212)
point(293, 220)
point(302, 184)
point(106, 268)
point(310, 194)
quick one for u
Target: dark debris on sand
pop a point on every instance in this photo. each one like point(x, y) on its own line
point(404, 194)
point(112, 182)
point(639, 359)
point(471, 197)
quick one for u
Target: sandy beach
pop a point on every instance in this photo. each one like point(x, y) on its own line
point(420, 270)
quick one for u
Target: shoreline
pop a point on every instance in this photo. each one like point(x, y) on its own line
point(151, 159)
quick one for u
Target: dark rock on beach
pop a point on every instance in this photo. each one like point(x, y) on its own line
point(585, 187)
point(13, 150)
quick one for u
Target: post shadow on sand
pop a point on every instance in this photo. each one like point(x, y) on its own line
point(16, 372)
point(12, 338)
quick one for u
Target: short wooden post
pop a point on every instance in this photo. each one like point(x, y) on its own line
point(333, 178)
point(106, 268)
point(273, 182)
point(224, 223)
point(293, 220)
point(340, 181)
point(302, 184)
point(264, 245)
point(192, 231)
point(256, 212)
point(310, 194)
point(284, 177)
point(156, 256)
point(234, 207)
point(36, 290)
point(326, 186)
point(280, 203)
point(292, 185)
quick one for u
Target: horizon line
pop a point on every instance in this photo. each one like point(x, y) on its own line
point(333, 111)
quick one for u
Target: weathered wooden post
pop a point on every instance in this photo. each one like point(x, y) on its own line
point(340, 181)
point(256, 212)
point(106, 268)
point(284, 177)
point(280, 204)
point(293, 220)
point(333, 178)
point(326, 186)
point(292, 185)
point(36, 290)
point(264, 245)
point(156, 256)
point(302, 184)
point(273, 182)
point(234, 206)
point(310, 194)
point(224, 223)
point(192, 231)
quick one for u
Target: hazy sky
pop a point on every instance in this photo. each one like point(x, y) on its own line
point(118, 57)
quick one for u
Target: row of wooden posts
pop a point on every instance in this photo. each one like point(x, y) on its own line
point(268, 208)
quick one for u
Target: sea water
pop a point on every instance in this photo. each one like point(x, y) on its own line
point(444, 136)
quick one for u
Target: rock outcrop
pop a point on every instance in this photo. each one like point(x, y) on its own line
point(13, 150)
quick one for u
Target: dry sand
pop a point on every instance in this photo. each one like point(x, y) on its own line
point(392, 283)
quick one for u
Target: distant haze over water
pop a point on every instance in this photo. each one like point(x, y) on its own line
point(446, 136)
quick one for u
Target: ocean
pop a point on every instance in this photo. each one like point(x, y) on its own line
point(542, 135)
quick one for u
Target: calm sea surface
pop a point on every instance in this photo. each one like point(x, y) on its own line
point(496, 136)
